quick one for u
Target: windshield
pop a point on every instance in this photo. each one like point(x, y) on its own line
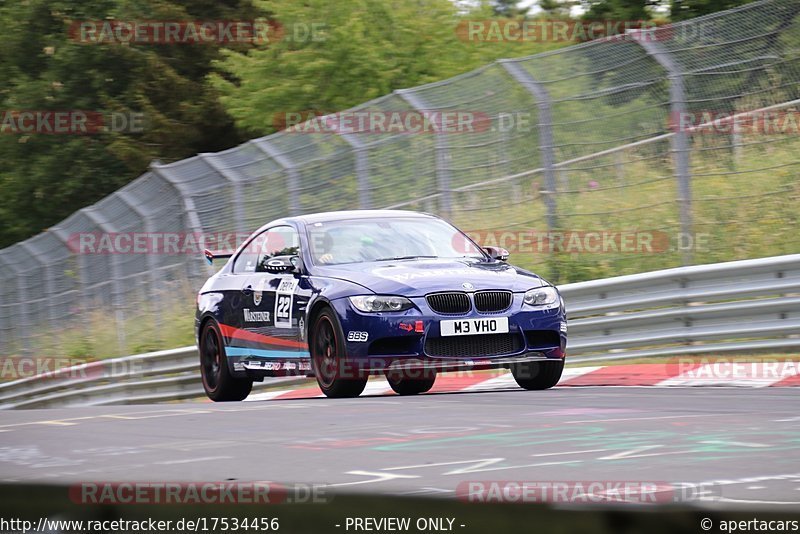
point(379, 239)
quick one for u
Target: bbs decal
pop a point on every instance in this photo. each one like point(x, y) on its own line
point(357, 336)
point(284, 298)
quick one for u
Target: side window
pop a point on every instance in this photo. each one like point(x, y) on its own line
point(278, 241)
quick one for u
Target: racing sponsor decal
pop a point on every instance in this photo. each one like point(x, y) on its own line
point(259, 293)
point(416, 326)
point(301, 324)
point(284, 299)
point(255, 316)
point(357, 336)
point(278, 366)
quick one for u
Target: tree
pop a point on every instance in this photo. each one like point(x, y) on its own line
point(619, 10)
point(363, 49)
point(689, 9)
point(508, 9)
point(557, 8)
point(44, 178)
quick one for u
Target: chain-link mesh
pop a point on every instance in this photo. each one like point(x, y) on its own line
point(578, 160)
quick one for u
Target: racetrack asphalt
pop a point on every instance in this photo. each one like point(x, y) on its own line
point(741, 444)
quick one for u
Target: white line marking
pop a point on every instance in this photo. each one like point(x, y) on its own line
point(191, 460)
point(379, 477)
point(655, 418)
point(735, 443)
point(567, 452)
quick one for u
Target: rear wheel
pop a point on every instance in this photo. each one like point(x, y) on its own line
point(537, 375)
point(335, 375)
point(411, 381)
point(218, 382)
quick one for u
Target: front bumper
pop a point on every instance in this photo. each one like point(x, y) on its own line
point(413, 338)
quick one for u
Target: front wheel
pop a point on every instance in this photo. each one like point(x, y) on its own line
point(537, 375)
point(336, 376)
point(411, 382)
point(218, 382)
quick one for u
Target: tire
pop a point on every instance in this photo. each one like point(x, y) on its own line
point(337, 378)
point(537, 375)
point(410, 382)
point(218, 383)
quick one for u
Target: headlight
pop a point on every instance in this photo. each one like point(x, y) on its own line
point(380, 303)
point(541, 296)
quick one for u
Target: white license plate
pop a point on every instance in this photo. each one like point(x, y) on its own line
point(466, 327)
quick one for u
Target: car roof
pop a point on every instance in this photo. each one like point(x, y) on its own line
point(357, 214)
point(328, 216)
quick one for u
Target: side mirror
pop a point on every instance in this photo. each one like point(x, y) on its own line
point(297, 264)
point(496, 253)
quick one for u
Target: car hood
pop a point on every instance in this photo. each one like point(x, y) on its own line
point(417, 277)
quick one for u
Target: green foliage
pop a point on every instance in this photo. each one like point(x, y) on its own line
point(689, 9)
point(619, 10)
point(45, 178)
point(363, 49)
point(508, 8)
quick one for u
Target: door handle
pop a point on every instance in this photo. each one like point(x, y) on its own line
point(247, 290)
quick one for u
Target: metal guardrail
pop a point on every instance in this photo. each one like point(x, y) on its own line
point(165, 375)
point(741, 306)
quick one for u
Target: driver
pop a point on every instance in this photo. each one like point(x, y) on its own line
point(345, 252)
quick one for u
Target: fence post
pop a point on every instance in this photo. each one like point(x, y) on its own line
point(45, 269)
point(236, 184)
point(80, 266)
point(152, 264)
point(442, 171)
point(292, 176)
point(680, 139)
point(543, 102)
point(18, 317)
point(362, 168)
point(189, 209)
point(117, 301)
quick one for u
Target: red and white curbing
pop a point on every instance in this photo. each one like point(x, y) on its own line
point(722, 373)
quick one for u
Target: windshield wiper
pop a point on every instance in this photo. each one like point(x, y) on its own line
point(404, 258)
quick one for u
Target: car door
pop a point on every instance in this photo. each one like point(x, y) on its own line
point(274, 321)
point(245, 304)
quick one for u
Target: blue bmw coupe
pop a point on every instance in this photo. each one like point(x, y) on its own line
point(345, 295)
